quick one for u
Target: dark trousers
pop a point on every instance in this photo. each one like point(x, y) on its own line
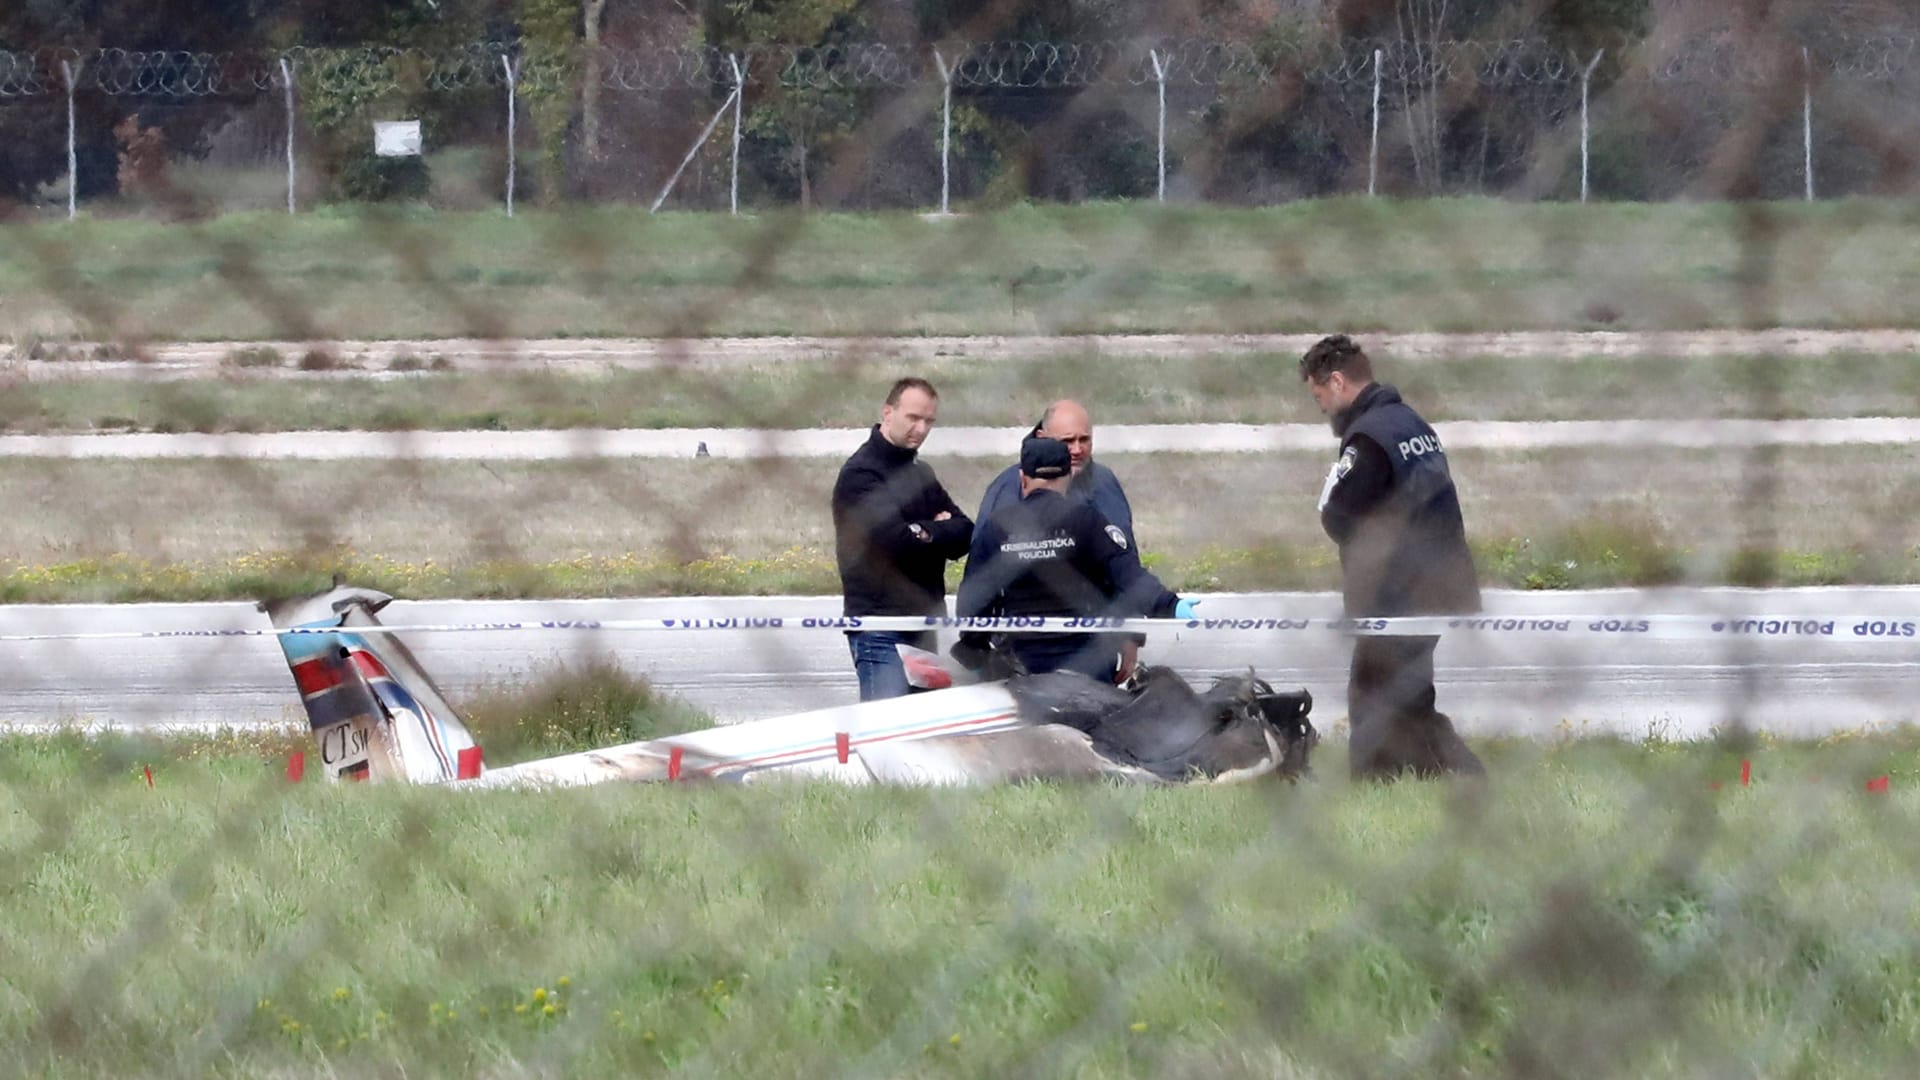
point(1097, 656)
point(1390, 703)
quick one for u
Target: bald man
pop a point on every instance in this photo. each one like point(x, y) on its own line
point(1069, 422)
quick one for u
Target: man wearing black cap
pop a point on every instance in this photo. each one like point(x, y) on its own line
point(1071, 423)
point(1390, 504)
point(1050, 554)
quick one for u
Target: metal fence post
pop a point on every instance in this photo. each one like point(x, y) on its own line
point(1586, 78)
point(71, 74)
point(739, 94)
point(286, 80)
point(1806, 116)
point(946, 124)
point(1373, 155)
point(1160, 77)
point(705, 134)
point(507, 63)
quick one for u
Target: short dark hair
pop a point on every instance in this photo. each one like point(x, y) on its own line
point(1339, 353)
point(911, 382)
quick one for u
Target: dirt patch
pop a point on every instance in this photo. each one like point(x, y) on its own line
point(366, 359)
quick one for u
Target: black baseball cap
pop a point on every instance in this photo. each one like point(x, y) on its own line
point(1045, 459)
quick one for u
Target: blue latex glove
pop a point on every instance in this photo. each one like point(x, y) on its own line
point(1184, 609)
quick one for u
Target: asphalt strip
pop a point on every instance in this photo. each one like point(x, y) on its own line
point(1782, 673)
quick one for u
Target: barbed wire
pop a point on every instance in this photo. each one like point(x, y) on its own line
point(1010, 65)
point(1725, 59)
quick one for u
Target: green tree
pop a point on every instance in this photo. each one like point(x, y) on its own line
point(552, 65)
point(350, 81)
point(1583, 27)
point(792, 130)
point(33, 133)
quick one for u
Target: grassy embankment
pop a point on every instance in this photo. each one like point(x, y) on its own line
point(1241, 388)
point(1545, 520)
point(1600, 912)
point(1549, 519)
point(1451, 264)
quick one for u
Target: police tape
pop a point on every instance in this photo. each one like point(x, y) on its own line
point(1537, 627)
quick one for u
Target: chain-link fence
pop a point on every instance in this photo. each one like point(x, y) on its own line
point(594, 451)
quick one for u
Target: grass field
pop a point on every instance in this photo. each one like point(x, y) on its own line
point(1254, 388)
point(1352, 263)
point(1603, 909)
point(1563, 518)
point(1600, 911)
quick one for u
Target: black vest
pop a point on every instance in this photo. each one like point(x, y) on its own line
point(1409, 556)
point(1051, 538)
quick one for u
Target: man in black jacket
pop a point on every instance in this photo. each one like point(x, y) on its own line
point(1053, 553)
point(1071, 423)
point(894, 529)
point(1390, 504)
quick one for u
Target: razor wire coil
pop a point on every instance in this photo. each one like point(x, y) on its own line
point(985, 65)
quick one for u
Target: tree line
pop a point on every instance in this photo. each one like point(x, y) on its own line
point(1247, 141)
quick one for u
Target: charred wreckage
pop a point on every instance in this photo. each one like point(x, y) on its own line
point(377, 715)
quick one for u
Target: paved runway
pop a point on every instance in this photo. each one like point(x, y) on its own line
point(1677, 688)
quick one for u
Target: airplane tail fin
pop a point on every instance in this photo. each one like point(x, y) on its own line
point(375, 712)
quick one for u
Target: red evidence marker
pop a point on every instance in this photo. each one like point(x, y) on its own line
point(469, 763)
point(673, 763)
point(296, 766)
point(841, 746)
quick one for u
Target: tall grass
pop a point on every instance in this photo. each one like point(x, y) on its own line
point(1593, 553)
point(565, 708)
point(1549, 519)
point(559, 708)
point(1444, 264)
point(980, 387)
point(1601, 910)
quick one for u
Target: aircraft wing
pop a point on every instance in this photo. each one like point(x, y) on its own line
point(833, 744)
point(377, 716)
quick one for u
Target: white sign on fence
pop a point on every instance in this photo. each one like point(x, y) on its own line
point(396, 138)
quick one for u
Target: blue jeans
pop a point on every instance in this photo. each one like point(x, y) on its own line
point(877, 662)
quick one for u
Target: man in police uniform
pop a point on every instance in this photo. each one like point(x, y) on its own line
point(1052, 554)
point(1071, 423)
point(1390, 504)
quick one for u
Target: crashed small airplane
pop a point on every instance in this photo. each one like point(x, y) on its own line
point(377, 716)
